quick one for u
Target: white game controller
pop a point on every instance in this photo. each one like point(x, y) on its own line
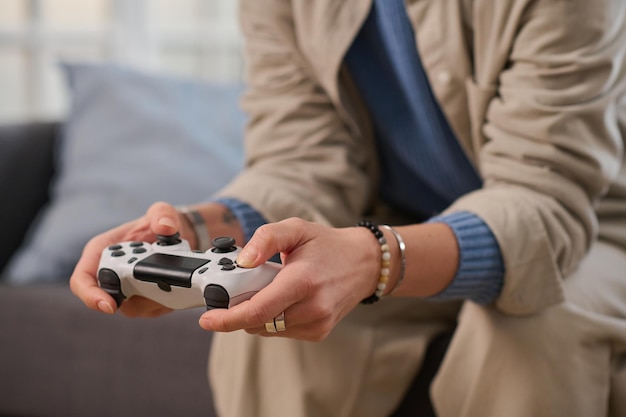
point(168, 272)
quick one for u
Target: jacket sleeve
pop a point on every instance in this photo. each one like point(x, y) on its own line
point(552, 145)
point(300, 158)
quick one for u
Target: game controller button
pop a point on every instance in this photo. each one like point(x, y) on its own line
point(216, 297)
point(197, 251)
point(164, 286)
point(225, 261)
point(228, 267)
point(115, 247)
point(223, 244)
point(136, 244)
point(203, 270)
point(118, 253)
point(131, 260)
point(139, 250)
point(168, 240)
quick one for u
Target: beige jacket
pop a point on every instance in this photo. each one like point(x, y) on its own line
point(533, 89)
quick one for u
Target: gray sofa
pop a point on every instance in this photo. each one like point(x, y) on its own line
point(57, 358)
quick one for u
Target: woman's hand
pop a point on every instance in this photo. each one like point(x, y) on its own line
point(162, 219)
point(326, 273)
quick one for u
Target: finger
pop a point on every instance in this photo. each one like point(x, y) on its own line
point(164, 219)
point(87, 290)
point(83, 281)
point(262, 307)
point(313, 332)
point(85, 285)
point(271, 238)
point(248, 314)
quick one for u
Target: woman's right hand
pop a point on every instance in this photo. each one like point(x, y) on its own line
point(160, 219)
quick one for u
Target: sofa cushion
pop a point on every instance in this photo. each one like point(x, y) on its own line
point(26, 166)
point(130, 139)
point(62, 359)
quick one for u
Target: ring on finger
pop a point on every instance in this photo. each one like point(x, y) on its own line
point(277, 324)
point(270, 327)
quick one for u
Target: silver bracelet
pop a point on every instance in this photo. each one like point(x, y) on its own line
point(199, 227)
point(402, 247)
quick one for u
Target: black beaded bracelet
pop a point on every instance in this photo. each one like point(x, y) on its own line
point(385, 262)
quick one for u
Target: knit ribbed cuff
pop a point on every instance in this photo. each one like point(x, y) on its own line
point(248, 217)
point(480, 274)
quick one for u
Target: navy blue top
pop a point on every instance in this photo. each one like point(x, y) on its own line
point(423, 168)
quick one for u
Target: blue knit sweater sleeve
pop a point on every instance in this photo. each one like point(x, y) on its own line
point(248, 217)
point(480, 273)
point(481, 270)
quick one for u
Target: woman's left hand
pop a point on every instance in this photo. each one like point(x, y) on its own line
point(326, 273)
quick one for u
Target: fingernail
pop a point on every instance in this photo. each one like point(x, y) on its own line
point(166, 221)
point(105, 307)
point(247, 256)
point(205, 323)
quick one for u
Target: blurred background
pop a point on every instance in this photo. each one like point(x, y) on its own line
point(191, 38)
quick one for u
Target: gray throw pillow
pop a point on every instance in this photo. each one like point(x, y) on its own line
point(131, 139)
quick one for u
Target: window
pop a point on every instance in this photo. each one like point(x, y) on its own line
point(194, 38)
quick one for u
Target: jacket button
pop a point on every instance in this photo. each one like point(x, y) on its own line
point(444, 77)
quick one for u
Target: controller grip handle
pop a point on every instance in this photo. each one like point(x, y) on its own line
point(215, 296)
point(111, 284)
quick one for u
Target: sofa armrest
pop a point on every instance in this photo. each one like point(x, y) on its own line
point(26, 167)
point(58, 358)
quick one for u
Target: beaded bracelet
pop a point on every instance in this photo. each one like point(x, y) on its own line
point(402, 247)
point(385, 262)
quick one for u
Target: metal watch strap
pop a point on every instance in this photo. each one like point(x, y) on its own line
point(199, 227)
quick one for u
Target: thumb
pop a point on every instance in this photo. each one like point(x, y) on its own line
point(164, 219)
point(284, 237)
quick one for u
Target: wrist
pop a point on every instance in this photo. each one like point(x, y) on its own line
point(383, 258)
point(215, 220)
point(200, 238)
point(432, 259)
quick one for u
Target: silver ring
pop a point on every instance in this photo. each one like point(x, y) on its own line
point(279, 322)
point(270, 327)
point(276, 325)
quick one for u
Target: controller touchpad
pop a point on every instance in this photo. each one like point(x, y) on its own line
point(172, 269)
